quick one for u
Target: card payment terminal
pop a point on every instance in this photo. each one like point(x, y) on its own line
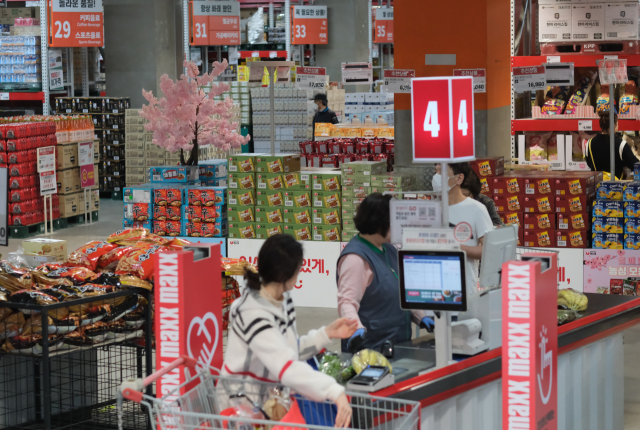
point(373, 378)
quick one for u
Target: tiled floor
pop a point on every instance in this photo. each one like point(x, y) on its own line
point(310, 318)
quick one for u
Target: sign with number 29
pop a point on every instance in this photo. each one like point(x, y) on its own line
point(442, 119)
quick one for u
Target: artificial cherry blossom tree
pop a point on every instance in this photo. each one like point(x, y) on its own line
point(183, 119)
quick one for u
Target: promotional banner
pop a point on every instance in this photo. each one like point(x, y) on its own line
point(609, 271)
point(529, 345)
point(188, 310)
point(309, 25)
point(76, 23)
point(87, 177)
point(316, 286)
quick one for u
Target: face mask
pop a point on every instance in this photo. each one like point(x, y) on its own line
point(449, 187)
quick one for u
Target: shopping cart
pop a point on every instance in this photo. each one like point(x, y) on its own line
point(209, 400)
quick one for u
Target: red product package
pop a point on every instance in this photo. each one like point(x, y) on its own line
point(348, 147)
point(22, 195)
point(110, 260)
point(4, 158)
point(537, 204)
point(573, 204)
point(616, 286)
point(320, 147)
point(572, 239)
point(167, 213)
point(303, 160)
point(89, 254)
point(502, 185)
point(334, 147)
point(573, 221)
point(139, 211)
point(329, 160)
point(307, 147)
point(539, 239)
point(362, 148)
point(313, 160)
point(138, 261)
point(389, 147)
point(363, 157)
point(534, 221)
point(376, 148)
point(23, 169)
point(167, 196)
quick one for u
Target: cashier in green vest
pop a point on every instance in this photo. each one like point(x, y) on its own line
point(368, 286)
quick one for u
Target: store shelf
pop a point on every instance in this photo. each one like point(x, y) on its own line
point(578, 60)
point(518, 125)
point(17, 95)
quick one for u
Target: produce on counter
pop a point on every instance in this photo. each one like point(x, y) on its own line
point(368, 357)
point(566, 316)
point(572, 299)
point(331, 365)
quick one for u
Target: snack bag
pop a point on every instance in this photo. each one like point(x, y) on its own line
point(629, 98)
point(89, 254)
point(579, 97)
point(555, 100)
point(138, 260)
point(128, 237)
point(536, 148)
point(110, 260)
point(602, 103)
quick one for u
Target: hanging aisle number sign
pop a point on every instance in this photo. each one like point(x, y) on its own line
point(383, 25)
point(479, 78)
point(442, 119)
point(76, 23)
point(311, 78)
point(528, 79)
point(215, 23)
point(398, 81)
point(310, 25)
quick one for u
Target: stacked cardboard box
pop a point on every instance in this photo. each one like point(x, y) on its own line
point(369, 108)
point(72, 201)
point(616, 215)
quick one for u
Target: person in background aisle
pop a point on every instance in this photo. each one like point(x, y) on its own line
point(436, 181)
point(471, 187)
point(263, 342)
point(368, 286)
point(323, 114)
point(465, 212)
point(598, 150)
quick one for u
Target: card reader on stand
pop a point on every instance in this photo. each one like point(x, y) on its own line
point(371, 379)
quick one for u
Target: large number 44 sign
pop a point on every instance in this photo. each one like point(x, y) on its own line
point(442, 119)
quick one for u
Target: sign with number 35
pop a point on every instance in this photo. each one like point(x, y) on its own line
point(442, 119)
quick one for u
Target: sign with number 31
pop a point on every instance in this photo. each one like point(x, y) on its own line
point(442, 119)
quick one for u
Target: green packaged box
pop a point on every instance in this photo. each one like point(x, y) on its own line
point(356, 192)
point(270, 215)
point(266, 230)
point(357, 181)
point(300, 232)
point(326, 181)
point(306, 175)
point(364, 168)
point(278, 163)
point(347, 235)
point(388, 190)
point(242, 230)
point(278, 181)
point(273, 198)
point(241, 181)
point(241, 197)
point(327, 233)
point(348, 224)
point(327, 199)
point(242, 163)
point(297, 215)
point(298, 199)
point(390, 180)
point(351, 203)
point(348, 214)
point(240, 214)
point(326, 216)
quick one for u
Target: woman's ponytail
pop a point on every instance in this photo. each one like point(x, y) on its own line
point(252, 279)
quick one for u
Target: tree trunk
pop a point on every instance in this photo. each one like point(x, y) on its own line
point(193, 155)
point(182, 162)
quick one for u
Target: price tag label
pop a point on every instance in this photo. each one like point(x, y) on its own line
point(479, 78)
point(310, 25)
point(398, 80)
point(528, 79)
point(76, 24)
point(48, 183)
point(556, 74)
point(383, 25)
point(46, 159)
point(311, 78)
point(4, 96)
point(586, 125)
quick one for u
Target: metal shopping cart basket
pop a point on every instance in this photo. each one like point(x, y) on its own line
point(207, 399)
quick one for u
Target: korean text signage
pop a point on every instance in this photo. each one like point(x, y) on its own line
point(398, 80)
point(529, 345)
point(413, 213)
point(76, 23)
point(311, 78)
point(442, 119)
point(87, 176)
point(215, 23)
point(188, 312)
point(383, 25)
point(357, 73)
point(309, 25)
point(46, 157)
point(528, 78)
point(479, 78)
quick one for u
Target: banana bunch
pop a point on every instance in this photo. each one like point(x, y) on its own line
point(367, 357)
point(572, 299)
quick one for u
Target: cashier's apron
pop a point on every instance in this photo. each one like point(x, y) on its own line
point(380, 311)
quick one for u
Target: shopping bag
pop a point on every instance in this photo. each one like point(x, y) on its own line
point(315, 413)
point(293, 416)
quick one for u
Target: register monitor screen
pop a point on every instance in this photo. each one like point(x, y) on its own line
point(432, 280)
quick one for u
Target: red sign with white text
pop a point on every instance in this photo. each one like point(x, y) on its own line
point(188, 311)
point(309, 25)
point(311, 71)
point(530, 344)
point(76, 24)
point(383, 25)
point(215, 23)
point(442, 119)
